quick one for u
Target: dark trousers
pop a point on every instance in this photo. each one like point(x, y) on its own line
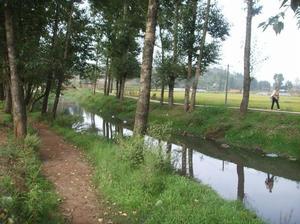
point(274, 100)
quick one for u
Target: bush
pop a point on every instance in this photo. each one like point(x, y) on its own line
point(132, 151)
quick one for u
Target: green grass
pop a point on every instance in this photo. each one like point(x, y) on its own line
point(272, 132)
point(288, 103)
point(142, 186)
point(25, 196)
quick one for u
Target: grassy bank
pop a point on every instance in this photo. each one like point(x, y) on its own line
point(141, 184)
point(271, 132)
point(25, 196)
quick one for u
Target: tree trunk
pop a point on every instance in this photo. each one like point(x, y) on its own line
point(191, 37)
point(241, 182)
point(247, 49)
point(66, 52)
point(198, 68)
point(171, 91)
point(183, 161)
point(117, 88)
point(162, 92)
point(190, 160)
point(106, 84)
point(2, 92)
point(122, 87)
point(47, 93)
point(28, 93)
point(111, 83)
point(17, 93)
point(175, 55)
point(142, 110)
point(8, 101)
point(51, 74)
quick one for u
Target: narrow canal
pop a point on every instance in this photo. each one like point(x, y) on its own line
point(269, 186)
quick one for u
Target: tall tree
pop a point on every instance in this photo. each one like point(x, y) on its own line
point(64, 62)
point(191, 26)
point(278, 80)
point(17, 92)
point(51, 73)
point(247, 50)
point(201, 53)
point(142, 110)
point(173, 73)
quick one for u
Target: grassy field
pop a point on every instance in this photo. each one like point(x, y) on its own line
point(270, 132)
point(141, 184)
point(289, 103)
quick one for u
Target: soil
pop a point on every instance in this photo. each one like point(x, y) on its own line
point(67, 168)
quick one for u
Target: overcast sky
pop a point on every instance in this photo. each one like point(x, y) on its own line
point(281, 49)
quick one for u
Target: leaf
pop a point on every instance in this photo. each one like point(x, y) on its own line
point(262, 24)
point(283, 3)
point(278, 27)
point(295, 4)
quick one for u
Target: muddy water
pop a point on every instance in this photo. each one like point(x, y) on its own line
point(269, 186)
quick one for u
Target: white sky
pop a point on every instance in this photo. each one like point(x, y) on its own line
point(281, 49)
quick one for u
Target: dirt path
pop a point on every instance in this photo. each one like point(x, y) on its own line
point(70, 173)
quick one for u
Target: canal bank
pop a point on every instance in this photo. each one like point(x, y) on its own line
point(268, 186)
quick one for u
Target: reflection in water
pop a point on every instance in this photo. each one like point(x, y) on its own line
point(190, 159)
point(200, 163)
point(241, 182)
point(93, 125)
point(183, 160)
point(168, 152)
point(269, 182)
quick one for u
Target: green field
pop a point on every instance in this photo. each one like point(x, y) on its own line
point(288, 103)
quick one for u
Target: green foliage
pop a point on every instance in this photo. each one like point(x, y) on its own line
point(157, 129)
point(277, 21)
point(133, 151)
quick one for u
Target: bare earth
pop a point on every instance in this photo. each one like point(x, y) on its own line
point(68, 170)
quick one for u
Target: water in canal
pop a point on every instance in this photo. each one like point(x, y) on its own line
point(268, 186)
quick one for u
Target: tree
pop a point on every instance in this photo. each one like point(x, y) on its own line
point(278, 80)
point(64, 62)
point(247, 50)
point(142, 110)
point(198, 68)
point(264, 86)
point(190, 29)
point(288, 85)
point(18, 104)
point(51, 73)
point(121, 23)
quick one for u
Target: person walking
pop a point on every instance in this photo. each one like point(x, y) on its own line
point(275, 98)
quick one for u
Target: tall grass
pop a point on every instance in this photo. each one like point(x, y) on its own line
point(25, 196)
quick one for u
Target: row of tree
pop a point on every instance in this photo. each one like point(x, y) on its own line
point(47, 42)
point(44, 43)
